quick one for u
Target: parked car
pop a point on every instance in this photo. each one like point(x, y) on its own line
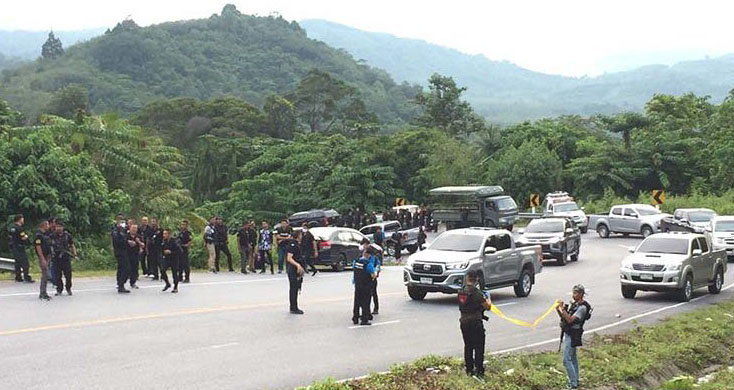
point(678, 262)
point(688, 220)
point(721, 234)
point(337, 246)
point(314, 218)
point(628, 219)
point(461, 207)
point(409, 241)
point(444, 264)
point(560, 204)
point(558, 238)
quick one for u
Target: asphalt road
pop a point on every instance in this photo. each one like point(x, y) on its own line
point(234, 331)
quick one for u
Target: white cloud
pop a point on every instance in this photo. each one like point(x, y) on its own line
point(570, 37)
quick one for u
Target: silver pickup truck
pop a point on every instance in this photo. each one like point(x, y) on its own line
point(409, 241)
point(679, 262)
point(492, 252)
point(627, 219)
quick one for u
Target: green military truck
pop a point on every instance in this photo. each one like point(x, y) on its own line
point(468, 206)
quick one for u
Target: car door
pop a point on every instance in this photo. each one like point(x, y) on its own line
point(630, 221)
point(491, 263)
point(616, 220)
point(571, 239)
point(509, 258)
point(697, 262)
point(707, 260)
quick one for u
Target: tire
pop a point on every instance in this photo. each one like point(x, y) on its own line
point(603, 231)
point(686, 293)
point(417, 294)
point(629, 292)
point(575, 256)
point(412, 249)
point(390, 249)
point(584, 230)
point(524, 284)
point(646, 231)
point(561, 260)
point(341, 264)
point(715, 287)
point(510, 227)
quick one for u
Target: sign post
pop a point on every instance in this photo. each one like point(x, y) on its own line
point(658, 197)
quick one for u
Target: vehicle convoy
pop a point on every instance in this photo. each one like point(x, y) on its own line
point(492, 252)
point(679, 262)
point(560, 204)
point(628, 219)
point(688, 220)
point(721, 234)
point(314, 218)
point(337, 246)
point(409, 240)
point(461, 207)
point(558, 237)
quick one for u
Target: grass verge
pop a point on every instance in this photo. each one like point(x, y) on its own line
point(646, 357)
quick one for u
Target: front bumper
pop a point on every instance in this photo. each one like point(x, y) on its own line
point(449, 282)
point(650, 281)
point(547, 250)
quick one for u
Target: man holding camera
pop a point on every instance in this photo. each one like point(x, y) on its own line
point(572, 330)
point(472, 304)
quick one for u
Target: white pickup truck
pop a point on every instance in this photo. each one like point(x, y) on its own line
point(409, 236)
point(628, 219)
point(444, 264)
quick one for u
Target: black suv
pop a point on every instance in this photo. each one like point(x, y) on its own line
point(314, 218)
point(559, 238)
point(337, 246)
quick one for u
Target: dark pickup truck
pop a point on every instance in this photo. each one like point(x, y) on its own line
point(314, 218)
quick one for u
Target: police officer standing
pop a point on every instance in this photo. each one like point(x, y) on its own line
point(309, 251)
point(294, 269)
point(135, 250)
point(364, 274)
point(184, 239)
point(143, 231)
point(472, 304)
point(119, 247)
point(221, 239)
point(171, 251)
point(153, 243)
point(18, 240)
point(63, 248)
point(282, 233)
point(42, 244)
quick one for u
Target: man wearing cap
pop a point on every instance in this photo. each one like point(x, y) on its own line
point(572, 326)
point(18, 241)
point(472, 304)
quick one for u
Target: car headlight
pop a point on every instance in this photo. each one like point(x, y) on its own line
point(721, 240)
point(457, 265)
point(673, 267)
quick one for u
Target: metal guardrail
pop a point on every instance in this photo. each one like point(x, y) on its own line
point(7, 264)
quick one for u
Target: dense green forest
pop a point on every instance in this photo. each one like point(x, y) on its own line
point(506, 93)
point(227, 54)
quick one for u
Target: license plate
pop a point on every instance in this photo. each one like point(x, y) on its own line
point(645, 276)
point(427, 280)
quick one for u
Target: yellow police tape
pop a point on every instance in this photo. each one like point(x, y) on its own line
point(496, 310)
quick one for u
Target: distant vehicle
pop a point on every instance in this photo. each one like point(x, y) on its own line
point(628, 219)
point(721, 234)
point(679, 262)
point(560, 204)
point(412, 208)
point(314, 218)
point(559, 238)
point(492, 252)
point(688, 220)
point(337, 246)
point(461, 207)
point(409, 241)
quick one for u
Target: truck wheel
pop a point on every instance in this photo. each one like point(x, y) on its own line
point(524, 284)
point(715, 287)
point(412, 249)
point(561, 259)
point(646, 231)
point(602, 231)
point(575, 256)
point(510, 227)
point(417, 294)
point(629, 292)
point(686, 292)
point(584, 229)
point(339, 266)
point(390, 249)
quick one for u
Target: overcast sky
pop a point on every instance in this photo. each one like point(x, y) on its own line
point(564, 36)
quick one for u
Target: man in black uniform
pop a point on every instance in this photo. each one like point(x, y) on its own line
point(119, 247)
point(184, 239)
point(294, 269)
point(153, 242)
point(364, 276)
point(42, 244)
point(282, 232)
point(51, 265)
point(143, 231)
point(171, 251)
point(18, 241)
point(309, 251)
point(135, 250)
point(472, 304)
point(221, 238)
point(244, 245)
point(63, 248)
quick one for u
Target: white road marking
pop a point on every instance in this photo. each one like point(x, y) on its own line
point(375, 324)
point(224, 345)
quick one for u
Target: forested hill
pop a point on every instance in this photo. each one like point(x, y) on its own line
point(228, 54)
point(505, 92)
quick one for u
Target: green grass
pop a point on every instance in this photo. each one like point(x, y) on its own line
point(643, 358)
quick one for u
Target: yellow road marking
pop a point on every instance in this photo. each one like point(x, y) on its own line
point(202, 310)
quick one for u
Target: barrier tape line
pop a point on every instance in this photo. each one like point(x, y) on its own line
point(496, 310)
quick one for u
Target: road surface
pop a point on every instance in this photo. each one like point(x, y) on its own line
point(234, 331)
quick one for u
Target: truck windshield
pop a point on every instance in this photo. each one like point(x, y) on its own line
point(368, 230)
point(647, 211)
point(566, 207)
point(457, 243)
point(544, 226)
point(725, 226)
point(701, 216)
point(677, 246)
point(505, 204)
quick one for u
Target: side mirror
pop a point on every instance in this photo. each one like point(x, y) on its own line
point(709, 229)
point(520, 231)
point(569, 231)
point(490, 250)
point(683, 220)
point(631, 249)
point(697, 252)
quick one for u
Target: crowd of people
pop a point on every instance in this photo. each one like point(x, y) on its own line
point(356, 218)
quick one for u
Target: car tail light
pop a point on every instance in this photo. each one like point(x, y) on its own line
point(324, 245)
